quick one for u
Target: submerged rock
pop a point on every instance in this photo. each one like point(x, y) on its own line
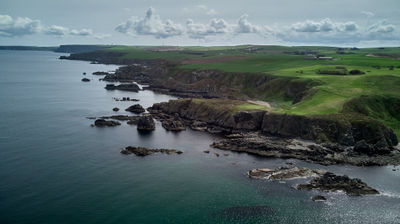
point(142, 151)
point(137, 108)
point(333, 182)
point(146, 123)
point(103, 123)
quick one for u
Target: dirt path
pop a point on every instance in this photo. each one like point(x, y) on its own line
point(261, 103)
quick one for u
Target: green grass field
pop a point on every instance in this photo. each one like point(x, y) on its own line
point(380, 65)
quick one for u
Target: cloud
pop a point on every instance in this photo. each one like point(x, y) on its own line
point(382, 27)
point(244, 26)
point(151, 25)
point(325, 25)
point(368, 14)
point(201, 9)
point(10, 27)
point(214, 27)
point(206, 10)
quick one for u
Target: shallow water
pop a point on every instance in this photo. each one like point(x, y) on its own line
point(55, 168)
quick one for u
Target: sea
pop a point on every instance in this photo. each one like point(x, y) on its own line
point(56, 168)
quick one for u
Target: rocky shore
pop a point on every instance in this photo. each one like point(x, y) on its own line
point(322, 140)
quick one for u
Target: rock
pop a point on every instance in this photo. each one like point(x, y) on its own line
point(206, 151)
point(379, 148)
point(146, 123)
point(332, 182)
point(84, 73)
point(173, 125)
point(125, 99)
point(318, 198)
point(115, 109)
point(281, 173)
point(198, 126)
point(356, 72)
point(100, 73)
point(124, 87)
point(137, 108)
point(85, 80)
point(216, 154)
point(103, 123)
point(142, 151)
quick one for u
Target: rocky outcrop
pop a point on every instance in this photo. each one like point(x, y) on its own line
point(201, 112)
point(105, 123)
point(137, 109)
point(124, 87)
point(332, 182)
point(322, 180)
point(318, 198)
point(142, 151)
point(281, 173)
point(125, 99)
point(146, 123)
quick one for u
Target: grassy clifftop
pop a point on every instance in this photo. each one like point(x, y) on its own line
point(335, 77)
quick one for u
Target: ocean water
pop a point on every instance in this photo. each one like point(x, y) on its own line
point(55, 168)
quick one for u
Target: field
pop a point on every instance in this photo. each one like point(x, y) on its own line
point(376, 74)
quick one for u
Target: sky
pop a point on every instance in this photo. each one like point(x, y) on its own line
point(347, 23)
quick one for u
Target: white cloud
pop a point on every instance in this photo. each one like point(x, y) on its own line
point(214, 27)
point(206, 10)
point(325, 25)
point(151, 25)
point(10, 27)
point(244, 26)
point(368, 14)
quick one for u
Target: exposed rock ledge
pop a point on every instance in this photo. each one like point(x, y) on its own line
point(325, 153)
point(142, 151)
point(322, 180)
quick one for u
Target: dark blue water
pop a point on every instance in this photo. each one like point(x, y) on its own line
point(55, 168)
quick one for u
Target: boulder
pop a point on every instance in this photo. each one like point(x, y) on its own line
point(103, 123)
point(137, 109)
point(115, 109)
point(146, 123)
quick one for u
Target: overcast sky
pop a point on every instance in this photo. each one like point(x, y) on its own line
point(361, 23)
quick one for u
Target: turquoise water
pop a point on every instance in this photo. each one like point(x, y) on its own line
point(55, 168)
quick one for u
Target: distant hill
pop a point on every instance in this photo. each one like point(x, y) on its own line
point(80, 48)
point(28, 48)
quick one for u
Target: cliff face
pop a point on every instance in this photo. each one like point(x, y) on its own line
point(344, 129)
point(212, 115)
